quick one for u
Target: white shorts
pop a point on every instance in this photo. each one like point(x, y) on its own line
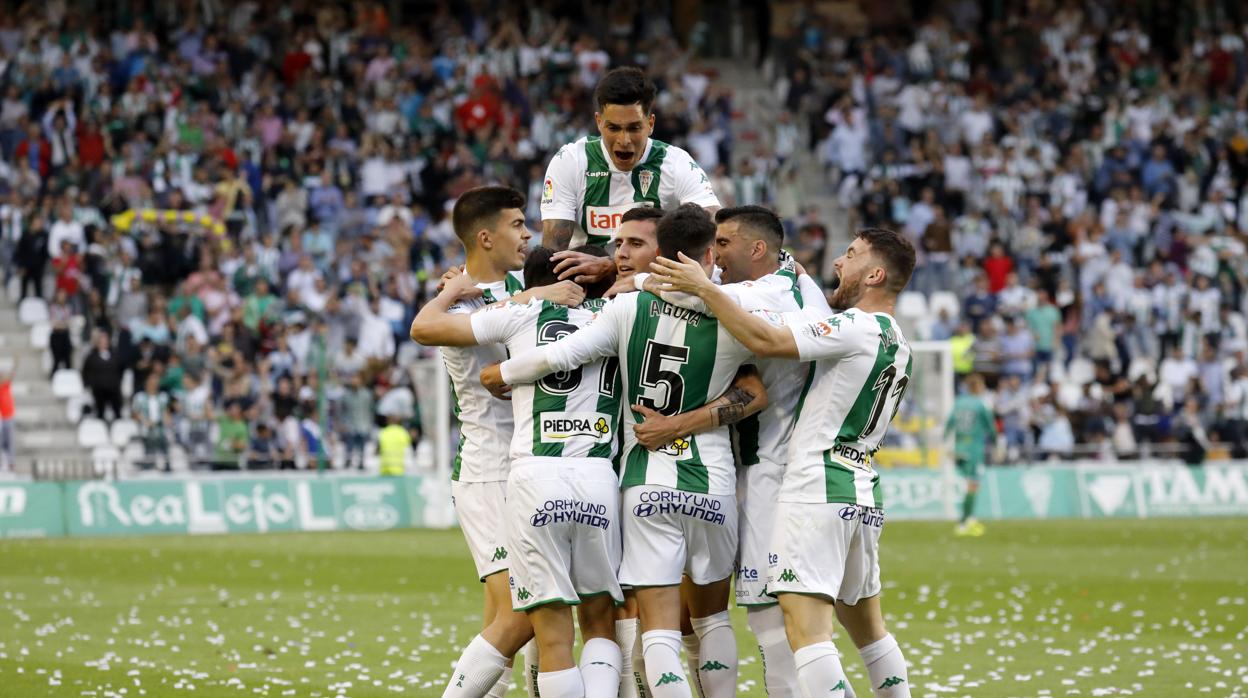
point(828, 550)
point(668, 533)
point(562, 530)
point(757, 488)
point(479, 507)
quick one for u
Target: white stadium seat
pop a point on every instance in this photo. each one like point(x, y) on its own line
point(911, 304)
point(123, 432)
point(92, 432)
point(32, 310)
point(946, 300)
point(67, 383)
point(40, 335)
point(1081, 371)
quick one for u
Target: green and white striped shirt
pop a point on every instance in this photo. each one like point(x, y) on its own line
point(862, 368)
point(572, 414)
point(583, 185)
point(484, 422)
point(672, 360)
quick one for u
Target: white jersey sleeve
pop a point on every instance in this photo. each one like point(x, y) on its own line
point(596, 340)
point(495, 324)
point(830, 338)
point(563, 191)
point(813, 299)
point(687, 181)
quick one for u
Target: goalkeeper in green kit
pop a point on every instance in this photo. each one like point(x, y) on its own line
point(972, 424)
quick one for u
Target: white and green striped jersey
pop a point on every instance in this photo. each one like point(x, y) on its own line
point(765, 436)
point(672, 360)
point(583, 185)
point(573, 414)
point(484, 421)
point(862, 368)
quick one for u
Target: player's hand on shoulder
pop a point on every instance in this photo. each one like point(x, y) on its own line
point(620, 286)
point(450, 274)
point(567, 293)
point(461, 286)
point(582, 268)
point(492, 379)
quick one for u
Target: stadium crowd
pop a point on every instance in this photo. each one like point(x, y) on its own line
point(1074, 172)
point(324, 144)
point(1075, 176)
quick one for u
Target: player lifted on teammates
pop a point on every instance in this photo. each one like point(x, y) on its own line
point(825, 548)
point(679, 506)
point(591, 183)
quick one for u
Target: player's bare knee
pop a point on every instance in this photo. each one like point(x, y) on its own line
point(597, 618)
point(709, 599)
point(863, 622)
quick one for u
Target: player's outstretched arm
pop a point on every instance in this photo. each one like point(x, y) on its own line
point(435, 326)
point(759, 336)
point(567, 293)
point(745, 397)
point(597, 340)
point(557, 233)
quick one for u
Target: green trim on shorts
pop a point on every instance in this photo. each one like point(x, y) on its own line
point(519, 609)
point(591, 595)
point(742, 604)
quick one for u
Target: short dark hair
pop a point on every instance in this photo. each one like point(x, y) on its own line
point(760, 221)
point(625, 86)
point(894, 251)
point(599, 288)
point(642, 213)
point(688, 229)
point(479, 206)
point(539, 270)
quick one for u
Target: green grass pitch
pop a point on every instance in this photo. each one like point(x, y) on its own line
point(1102, 608)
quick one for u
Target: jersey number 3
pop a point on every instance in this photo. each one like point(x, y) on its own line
point(656, 375)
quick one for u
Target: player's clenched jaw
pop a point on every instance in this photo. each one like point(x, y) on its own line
point(625, 129)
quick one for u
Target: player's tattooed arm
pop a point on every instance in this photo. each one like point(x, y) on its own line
point(557, 233)
point(745, 397)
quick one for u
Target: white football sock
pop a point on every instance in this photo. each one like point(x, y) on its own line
point(600, 668)
point(477, 670)
point(819, 670)
point(717, 668)
point(561, 684)
point(779, 671)
point(503, 684)
point(664, 674)
point(693, 651)
point(887, 668)
point(625, 636)
point(530, 668)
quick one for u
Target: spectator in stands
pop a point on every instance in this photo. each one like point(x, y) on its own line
point(102, 371)
point(8, 442)
point(232, 436)
point(150, 409)
point(355, 418)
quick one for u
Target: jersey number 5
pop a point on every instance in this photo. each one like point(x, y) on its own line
point(655, 375)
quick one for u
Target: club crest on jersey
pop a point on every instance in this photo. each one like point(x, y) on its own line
point(558, 427)
point(548, 191)
point(676, 448)
point(645, 178)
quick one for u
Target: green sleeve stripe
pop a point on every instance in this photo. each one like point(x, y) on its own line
point(512, 284)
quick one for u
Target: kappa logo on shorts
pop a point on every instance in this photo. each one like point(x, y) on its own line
point(787, 576)
point(840, 685)
point(523, 594)
point(500, 553)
